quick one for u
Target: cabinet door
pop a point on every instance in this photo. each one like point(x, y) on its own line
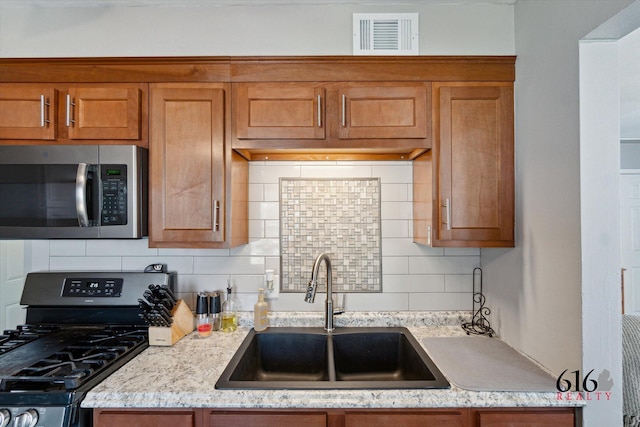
point(407, 418)
point(267, 419)
point(473, 156)
point(543, 417)
point(422, 200)
point(27, 112)
point(387, 111)
point(146, 418)
point(103, 112)
point(187, 164)
point(279, 111)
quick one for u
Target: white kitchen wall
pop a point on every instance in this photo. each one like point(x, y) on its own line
point(446, 28)
point(536, 289)
point(414, 277)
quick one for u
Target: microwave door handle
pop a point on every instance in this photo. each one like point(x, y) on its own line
point(82, 176)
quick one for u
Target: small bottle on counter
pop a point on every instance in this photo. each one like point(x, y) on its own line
point(203, 322)
point(215, 310)
point(260, 313)
point(229, 317)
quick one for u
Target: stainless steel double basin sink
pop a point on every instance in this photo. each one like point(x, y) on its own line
point(347, 358)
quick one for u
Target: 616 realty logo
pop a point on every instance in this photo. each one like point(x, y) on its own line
point(571, 388)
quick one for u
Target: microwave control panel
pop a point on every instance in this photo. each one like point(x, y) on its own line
point(114, 194)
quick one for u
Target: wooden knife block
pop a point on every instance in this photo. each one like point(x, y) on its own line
point(183, 324)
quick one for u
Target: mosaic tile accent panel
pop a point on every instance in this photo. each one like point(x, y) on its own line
point(337, 216)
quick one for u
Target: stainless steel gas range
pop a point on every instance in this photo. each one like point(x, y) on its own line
point(80, 328)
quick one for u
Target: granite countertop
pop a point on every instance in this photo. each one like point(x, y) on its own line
point(184, 375)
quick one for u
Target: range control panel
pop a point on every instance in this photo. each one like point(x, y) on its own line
point(92, 287)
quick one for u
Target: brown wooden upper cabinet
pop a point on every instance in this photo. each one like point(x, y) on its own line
point(43, 113)
point(279, 111)
point(390, 111)
point(198, 187)
point(325, 115)
point(473, 167)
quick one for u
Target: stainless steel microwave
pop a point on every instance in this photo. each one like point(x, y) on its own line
point(73, 192)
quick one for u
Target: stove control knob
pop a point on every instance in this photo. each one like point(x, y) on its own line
point(28, 418)
point(5, 417)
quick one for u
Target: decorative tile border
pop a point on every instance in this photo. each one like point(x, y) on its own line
point(337, 216)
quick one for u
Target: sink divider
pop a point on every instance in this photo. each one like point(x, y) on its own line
point(331, 359)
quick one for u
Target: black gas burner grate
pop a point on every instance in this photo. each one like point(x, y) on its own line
point(94, 350)
point(115, 336)
point(14, 338)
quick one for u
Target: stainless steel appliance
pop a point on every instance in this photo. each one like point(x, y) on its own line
point(73, 191)
point(81, 327)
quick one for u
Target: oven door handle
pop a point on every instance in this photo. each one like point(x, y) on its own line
point(82, 176)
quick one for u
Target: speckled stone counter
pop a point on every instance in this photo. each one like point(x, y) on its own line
point(183, 376)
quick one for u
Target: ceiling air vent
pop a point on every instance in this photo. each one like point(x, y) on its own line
point(385, 33)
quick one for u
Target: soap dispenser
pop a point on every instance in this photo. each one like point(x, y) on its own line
point(260, 313)
point(229, 317)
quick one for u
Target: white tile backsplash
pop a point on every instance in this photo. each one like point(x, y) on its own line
point(440, 301)
point(409, 283)
point(68, 247)
point(414, 277)
point(335, 170)
point(395, 192)
point(400, 173)
point(85, 263)
point(397, 210)
point(458, 283)
point(394, 265)
point(119, 247)
point(395, 228)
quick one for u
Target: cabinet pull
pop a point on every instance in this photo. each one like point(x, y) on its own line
point(344, 107)
point(447, 207)
point(319, 111)
point(429, 235)
point(216, 210)
point(44, 115)
point(69, 112)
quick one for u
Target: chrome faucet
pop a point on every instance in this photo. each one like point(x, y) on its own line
point(311, 291)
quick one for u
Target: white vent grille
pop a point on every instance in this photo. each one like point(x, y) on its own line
point(385, 33)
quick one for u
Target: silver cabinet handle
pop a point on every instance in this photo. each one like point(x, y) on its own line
point(344, 107)
point(319, 111)
point(44, 116)
point(428, 235)
point(69, 112)
point(447, 206)
point(81, 194)
point(216, 211)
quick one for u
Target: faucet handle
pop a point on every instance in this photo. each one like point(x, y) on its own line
point(311, 291)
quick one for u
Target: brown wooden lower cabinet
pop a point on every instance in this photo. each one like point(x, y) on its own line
point(316, 418)
point(151, 417)
point(527, 417)
point(423, 417)
point(407, 418)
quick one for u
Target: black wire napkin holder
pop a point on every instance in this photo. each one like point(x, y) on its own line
point(479, 324)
